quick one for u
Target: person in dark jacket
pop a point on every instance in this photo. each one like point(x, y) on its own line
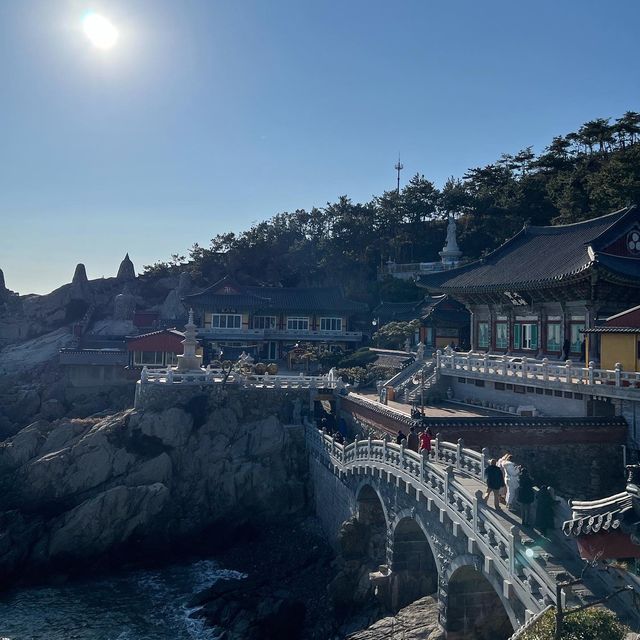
point(525, 497)
point(545, 506)
point(495, 482)
point(400, 438)
point(412, 440)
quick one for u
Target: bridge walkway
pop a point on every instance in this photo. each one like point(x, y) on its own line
point(451, 478)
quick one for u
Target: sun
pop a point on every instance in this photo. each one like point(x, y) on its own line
point(100, 31)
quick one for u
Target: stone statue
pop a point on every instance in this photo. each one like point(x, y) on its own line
point(420, 352)
point(452, 242)
point(124, 305)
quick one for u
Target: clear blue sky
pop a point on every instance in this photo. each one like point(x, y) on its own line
point(209, 115)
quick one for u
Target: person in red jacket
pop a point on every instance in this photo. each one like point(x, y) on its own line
point(425, 441)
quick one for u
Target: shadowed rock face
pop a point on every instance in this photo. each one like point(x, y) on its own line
point(2, 285)
point(126, 271)
point(75, 489)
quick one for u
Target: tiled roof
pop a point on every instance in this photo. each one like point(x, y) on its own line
point(608, 514)
point(536, 256)
point(175, 332)
point(526, 421)
point(276, 299)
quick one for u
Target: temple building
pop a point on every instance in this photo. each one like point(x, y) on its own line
point(538, 292)
point(444, 321)
point(268, 322)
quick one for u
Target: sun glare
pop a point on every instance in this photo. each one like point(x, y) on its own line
point(100, 31)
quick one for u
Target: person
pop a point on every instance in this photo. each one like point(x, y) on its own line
point(495, 482)
point(339, 438)
point(525, 496)
point(566, 348)
point(425, 441)
point(583, 352)
point(400, 437)
point(412, 439)
point(545, 506)
point(511, 479)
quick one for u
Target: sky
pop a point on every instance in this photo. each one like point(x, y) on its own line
point(209, 115)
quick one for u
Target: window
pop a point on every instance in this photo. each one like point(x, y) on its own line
point(171, 359)
point(525, 336)
point(576, 336)
point(148, 358)
point(226, 321)
point(264, 322)
point(297, 324)
point(502, 335)
point(483, 335)
point(553, 337)
point(330, 324)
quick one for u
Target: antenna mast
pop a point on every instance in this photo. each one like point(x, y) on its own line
point(399, 167)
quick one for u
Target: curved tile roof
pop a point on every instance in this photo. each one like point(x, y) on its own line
point(533, 256)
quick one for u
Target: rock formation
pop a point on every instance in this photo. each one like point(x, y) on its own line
point(74, 489)
point(80, 288)
point(172, 307)
point(126, 271)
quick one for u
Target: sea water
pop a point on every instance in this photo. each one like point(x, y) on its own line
point(131, 605)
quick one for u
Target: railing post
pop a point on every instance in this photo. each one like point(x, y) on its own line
point(483, 462)
point(369, 448)
point(545, 369)
point(512, 549)
point(525, 375)
point(422, 465)
point(467, 367)
point(448, 473)
point(436, 447)
point(617, 372)
point(592, 366)
point(401, 462)
point(384, 447)
point(477, 498)
point(459, 453)
point(568, 365)
point(486, 363)
point(505, 364)
point(438, 359)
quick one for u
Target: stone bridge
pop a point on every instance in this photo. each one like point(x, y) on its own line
point(430, 532)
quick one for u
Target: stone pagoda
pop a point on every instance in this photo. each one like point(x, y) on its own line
point(189, 360)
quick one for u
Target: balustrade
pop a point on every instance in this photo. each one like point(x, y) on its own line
point(435, 476)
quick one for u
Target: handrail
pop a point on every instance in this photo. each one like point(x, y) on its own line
point(433, 475)
point(526, 370)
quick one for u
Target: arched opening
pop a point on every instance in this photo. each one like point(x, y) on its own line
point(413, 567)
point(371, 515)
point(474, 609)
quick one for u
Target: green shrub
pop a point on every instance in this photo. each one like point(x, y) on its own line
point(589, 624)
point(359, 358)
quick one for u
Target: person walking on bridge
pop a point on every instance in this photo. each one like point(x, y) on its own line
point(412, 439)
point(425, 441)
point(495, 482)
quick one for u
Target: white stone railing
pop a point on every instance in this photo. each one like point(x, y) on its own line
point(529, 624)
point(217, 376)
point(523, 370)
point(433, 476)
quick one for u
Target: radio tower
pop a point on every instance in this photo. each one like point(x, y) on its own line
point(399, 167)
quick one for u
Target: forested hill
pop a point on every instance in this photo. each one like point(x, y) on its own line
point(578, 176)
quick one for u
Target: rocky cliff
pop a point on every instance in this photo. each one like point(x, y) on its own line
point(71, 490)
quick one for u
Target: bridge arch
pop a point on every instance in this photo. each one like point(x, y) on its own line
point(372, 513)
point(475, 604)
point(414, 567)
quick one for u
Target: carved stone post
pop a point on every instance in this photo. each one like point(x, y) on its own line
point(436, 447)
point(525, 374)
point(568, 366)
point(618, 371)
point(459, 449)
point(477, 498)
point(513, 531)
point(592, 365)
point(545, 369)
point(505, 363)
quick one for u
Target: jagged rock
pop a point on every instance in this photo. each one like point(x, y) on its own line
point(126, 271)
point(105, 521)
point(95, 484)
point(418, 621)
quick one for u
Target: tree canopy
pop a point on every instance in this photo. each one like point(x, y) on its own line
point(579, 175)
